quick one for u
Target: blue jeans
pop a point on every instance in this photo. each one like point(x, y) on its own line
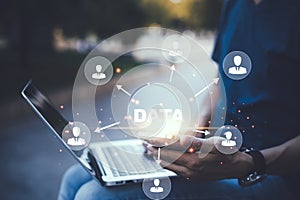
point(78, 184)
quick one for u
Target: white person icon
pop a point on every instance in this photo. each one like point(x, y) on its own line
point(76, 140)
point(156, 188)
point(98, 75)
point(237, 69)
point(237, 65)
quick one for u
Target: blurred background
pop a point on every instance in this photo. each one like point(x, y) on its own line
point(46, 40)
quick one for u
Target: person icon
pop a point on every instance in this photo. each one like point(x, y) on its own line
point(98, 75)
point(156, 188)
point(237, 69)
point(228, 142)
point(76, 140)
point(176, 51)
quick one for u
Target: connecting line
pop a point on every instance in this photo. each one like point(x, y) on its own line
point(206, 132)
point(108, 126)
point(172, 72)
point(97, 130)
point(215, 81)
point(120, 87)
point(158, 154)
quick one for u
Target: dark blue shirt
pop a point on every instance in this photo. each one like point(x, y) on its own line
point(266, 104)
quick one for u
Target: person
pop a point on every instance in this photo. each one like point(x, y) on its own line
point(264, 106)
point(98, 75)
point(237, 69)
point(156, 188)
point(76, 140)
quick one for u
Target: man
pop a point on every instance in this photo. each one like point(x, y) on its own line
point(265, 105)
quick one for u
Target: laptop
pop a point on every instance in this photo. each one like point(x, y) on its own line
point(110, 162)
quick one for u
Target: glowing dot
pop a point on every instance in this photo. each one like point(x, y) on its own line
point(221, 163)
point(231, 148)
point(60, 150)
point(223, 108)
point(191, 150)
point(102, 136)
point(235, 137)
point(244, 131)
point(67, 131)
point(101, 109)
point(118, 70)
point(100, 122)
point(166, 143)
point(137, 102)
point(236, 125)
point(231, 120)
point(77, 114)
point(239, 110)
point(248, 117)
point(222, 117)
point(233, 103)
point(253, 126)
point(133, 100)
point(161, 104)
point(61, 106)
point(71, 123)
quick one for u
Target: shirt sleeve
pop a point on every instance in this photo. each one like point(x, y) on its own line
point(218, 45)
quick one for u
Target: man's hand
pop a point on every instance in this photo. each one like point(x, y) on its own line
point(198, 163)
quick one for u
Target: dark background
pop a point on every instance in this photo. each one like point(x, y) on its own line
point(46, 40)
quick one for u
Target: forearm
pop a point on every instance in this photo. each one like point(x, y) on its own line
point(283, 159)
point(209, 106)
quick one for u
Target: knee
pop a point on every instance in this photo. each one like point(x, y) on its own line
point(94, 191)
point(72, 180)
point(71, 173)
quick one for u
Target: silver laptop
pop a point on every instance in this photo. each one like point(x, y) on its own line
point(110, 162)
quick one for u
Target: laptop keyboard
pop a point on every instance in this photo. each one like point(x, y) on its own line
point(124, 163)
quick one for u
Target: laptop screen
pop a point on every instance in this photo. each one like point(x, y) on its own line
point(44, 107)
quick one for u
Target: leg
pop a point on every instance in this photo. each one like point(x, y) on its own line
point(73, 179)
point(272, 187)
point(93, 191)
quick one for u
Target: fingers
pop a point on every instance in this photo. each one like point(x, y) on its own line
point(191, 141)
point(178, 169)
point(165, 154)
point(190, 144)
point(160, 142)
point(198, 144)
point(196, 133)
point(189, 160)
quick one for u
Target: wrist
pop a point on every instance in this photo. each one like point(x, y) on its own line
point(259, 168)
point(245, 165)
